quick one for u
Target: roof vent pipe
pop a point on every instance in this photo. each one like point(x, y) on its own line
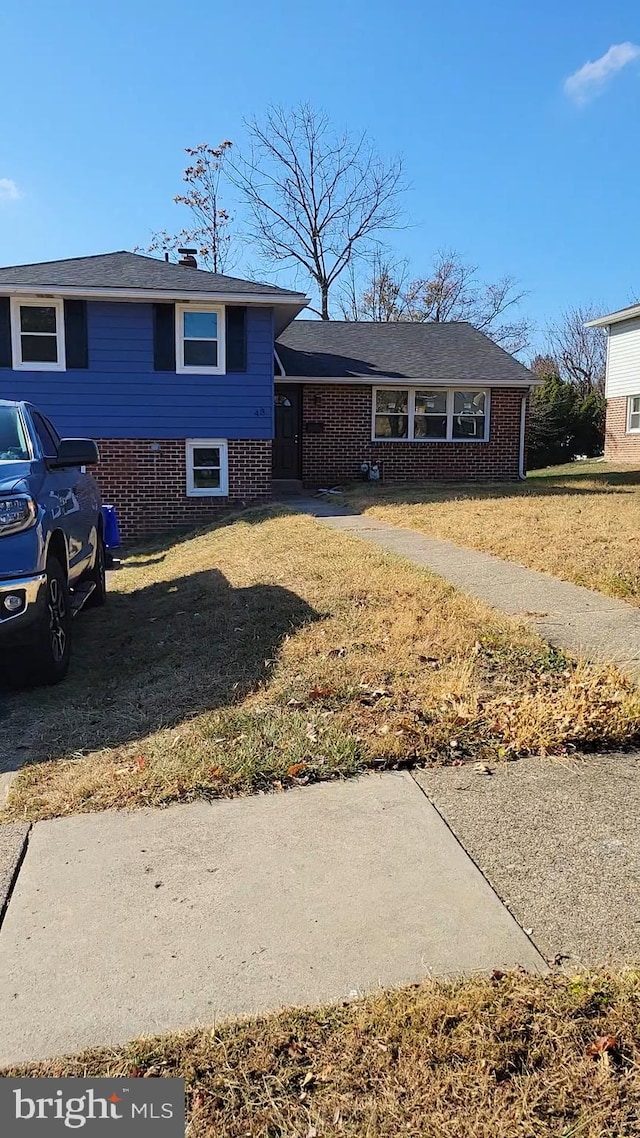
point(187, 258)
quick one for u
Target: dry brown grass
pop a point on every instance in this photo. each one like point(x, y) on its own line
point(580, 522)
point(270, 651)
point(476, 1059)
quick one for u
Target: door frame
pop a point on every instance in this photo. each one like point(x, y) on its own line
point(282, 388)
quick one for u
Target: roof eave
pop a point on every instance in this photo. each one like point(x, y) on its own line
point(615, 317)
point(412, 381)
point(294, 300)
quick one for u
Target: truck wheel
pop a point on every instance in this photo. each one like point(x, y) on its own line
point(98, 575)
point(52, 650)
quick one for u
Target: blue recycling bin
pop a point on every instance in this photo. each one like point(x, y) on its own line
point(111, 530)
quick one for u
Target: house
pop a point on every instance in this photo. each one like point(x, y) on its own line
point(622, 384)
point(202, 389)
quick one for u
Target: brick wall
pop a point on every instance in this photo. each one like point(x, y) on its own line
point(618, 445)
point(148, 488)
point(345, 413)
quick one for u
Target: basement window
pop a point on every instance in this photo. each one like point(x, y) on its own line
point(37, 335)
point(422, 414)
point(207, 468)
point(633, 415)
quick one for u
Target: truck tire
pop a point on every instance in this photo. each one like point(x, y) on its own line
point(52, 650)
point(98, 575)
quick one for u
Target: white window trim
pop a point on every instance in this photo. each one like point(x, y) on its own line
point(196, 491)
point(630, 401)
point(450, 416)
point(18, 302)
point(186, 369)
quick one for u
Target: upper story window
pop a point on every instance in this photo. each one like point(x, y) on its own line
point(200, 346)
point(633, 414)
point(422, 414)
point(37, 334)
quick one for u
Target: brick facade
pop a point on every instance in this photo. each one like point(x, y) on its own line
point(344, 412)
point(619, 446)
point(148, 486)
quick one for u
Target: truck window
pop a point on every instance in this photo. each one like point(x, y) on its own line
point(46, 436)
point(14, 446)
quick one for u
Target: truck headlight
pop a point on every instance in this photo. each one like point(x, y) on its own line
point(17, 512)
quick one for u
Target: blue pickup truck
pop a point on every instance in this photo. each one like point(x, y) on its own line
point(52, 550)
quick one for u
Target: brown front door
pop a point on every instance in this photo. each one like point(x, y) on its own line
point(286, 446)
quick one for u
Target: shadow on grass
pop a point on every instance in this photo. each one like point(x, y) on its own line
point(154, 658)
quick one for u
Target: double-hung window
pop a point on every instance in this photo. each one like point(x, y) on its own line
point(633, 414)
point(207, 468)
point(425, 414)
point(37, 335)
point(200, 346)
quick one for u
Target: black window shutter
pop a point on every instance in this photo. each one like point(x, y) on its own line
point(236, 338)
point(5, 332)
point(164, 337)
point(75, 332)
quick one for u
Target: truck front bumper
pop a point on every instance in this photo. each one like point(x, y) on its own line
point(21, 603)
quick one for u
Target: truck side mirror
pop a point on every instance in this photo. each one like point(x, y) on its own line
point(75, 452)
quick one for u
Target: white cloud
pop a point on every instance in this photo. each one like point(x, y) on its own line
point(9, 191)
point(590, 79)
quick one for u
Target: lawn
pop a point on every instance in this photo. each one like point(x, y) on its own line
point(580, 522)
point(268, 652)
point(538, 1057)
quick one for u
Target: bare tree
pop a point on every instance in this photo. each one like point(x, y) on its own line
point(210, 221)
point(580, 353)
point(317, 199)
point(382, 298)
point(451, 291)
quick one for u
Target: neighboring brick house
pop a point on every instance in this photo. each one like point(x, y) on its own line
point(421, 401)
point(171, 369)
point(622, 384)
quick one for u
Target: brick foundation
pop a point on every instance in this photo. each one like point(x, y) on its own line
point(148, 488)
point(618, 445)
point(345, 414)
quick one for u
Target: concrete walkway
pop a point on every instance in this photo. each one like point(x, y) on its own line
point(570, 617)
point(128, 923)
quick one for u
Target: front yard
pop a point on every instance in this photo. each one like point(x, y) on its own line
point(268, 652)
point(536, 1056)
point(580, 522)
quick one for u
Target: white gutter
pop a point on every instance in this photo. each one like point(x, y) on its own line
point(615, 317)
point(45, 291)
point(522, 473)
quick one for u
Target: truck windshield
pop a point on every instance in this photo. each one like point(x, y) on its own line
point(13, 440)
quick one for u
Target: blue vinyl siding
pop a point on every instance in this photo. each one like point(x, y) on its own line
point(121, 396)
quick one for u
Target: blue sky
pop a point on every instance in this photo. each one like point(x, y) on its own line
point(520, 173)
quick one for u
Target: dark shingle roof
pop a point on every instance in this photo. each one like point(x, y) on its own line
point(131, 271)
point(455, 352)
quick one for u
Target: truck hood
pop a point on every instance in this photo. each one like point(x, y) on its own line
point(13, 477)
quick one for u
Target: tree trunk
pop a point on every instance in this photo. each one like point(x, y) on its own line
point(324, 299)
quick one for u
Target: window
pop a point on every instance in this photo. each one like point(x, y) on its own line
point(438, 415)
point(37, 334)
point(633, 413)
point(207, 468)
point(48, 437)
point(14, 443)
point(200, 339)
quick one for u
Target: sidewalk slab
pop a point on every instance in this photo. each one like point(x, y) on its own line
point(129, 923)
point(568, 616)
point(12, 842)
point(559, 839)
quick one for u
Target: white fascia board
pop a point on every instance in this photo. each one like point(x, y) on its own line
point(264, 298)
point(615, 317)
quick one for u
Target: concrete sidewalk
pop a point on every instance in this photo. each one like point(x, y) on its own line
point(122, 924)
point(570, 617)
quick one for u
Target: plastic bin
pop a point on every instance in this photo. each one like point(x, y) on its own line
point(111, 529)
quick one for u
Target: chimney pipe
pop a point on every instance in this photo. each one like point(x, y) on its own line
point(187, 258)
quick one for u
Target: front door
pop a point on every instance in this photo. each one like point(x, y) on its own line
point(286, 446)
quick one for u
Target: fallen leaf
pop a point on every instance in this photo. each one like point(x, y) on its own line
point(497, 975)
point(141, 761)
point(311, 733)
point(295, 769)
point(602, 1044)
point(216, 772)
point(320, 693)
point(482, 768)
point(309, 1077)
point(197, 1102)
